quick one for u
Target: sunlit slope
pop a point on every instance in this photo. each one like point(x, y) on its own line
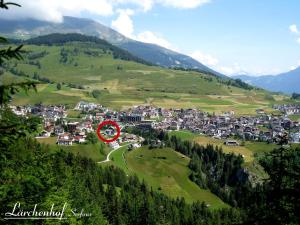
point(82, 68)
point(167, 171)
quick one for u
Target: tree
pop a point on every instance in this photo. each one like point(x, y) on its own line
point(6, 91)
point(96, 93)
point(295, 96)
point(58, 86)
point(92, 138)
point(278, 200)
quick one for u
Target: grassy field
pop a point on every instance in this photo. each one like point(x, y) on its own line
point(248, 150)
point(295, 118)
point(167, 171)
point(123, 84)
point(239, 150)
point(85, 150)
point(118, 159)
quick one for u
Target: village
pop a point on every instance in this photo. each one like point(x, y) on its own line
point(232, 129)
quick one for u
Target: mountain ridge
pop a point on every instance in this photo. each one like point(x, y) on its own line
point(25, 29)
point(287, 82)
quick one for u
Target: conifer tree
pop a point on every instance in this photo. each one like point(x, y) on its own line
point(7, 90)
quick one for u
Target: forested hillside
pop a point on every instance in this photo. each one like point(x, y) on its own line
point(60, 39)
point(275, 201)
point(30, 175)
point(112, 197)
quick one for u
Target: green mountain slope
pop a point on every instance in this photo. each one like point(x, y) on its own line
point(91, 71)
point(167, 170)
point(155, 54)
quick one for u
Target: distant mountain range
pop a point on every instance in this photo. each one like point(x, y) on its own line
point(285, 82)
point(152, 53)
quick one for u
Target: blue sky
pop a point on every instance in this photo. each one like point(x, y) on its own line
point(231, 36)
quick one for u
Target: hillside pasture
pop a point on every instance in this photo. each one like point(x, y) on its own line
point(123, 84)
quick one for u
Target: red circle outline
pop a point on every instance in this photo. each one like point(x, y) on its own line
point(107, 122)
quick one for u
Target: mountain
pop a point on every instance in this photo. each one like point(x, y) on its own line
point(87, 68)
point(285, 82)
point(155, 54)
point(165, 57)
point(57, 38)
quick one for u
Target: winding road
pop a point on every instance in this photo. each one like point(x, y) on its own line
point(107, 157)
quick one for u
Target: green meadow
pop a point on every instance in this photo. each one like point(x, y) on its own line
point(118, 159)
point(167, 171)
point(122, 84)
point(92, 151)
point(164, 170)
point(248, 150)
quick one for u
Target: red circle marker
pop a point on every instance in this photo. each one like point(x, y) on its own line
point(108, 122)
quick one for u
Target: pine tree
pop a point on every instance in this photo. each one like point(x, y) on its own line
point(6, 91)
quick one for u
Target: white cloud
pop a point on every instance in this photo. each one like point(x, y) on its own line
point(54, 10)
point(232, 70)
point(206, 59)
point(150, 37)
point(146, 5)
point(124, 23)
point(294, 29)
point(180, 4)
point(183, 4)
point(295, 66)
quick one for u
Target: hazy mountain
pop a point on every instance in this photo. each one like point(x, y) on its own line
point(150, 52)
point(32, 28)
point(285, 82)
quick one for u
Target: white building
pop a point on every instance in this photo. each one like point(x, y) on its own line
point(114, 145)
point(295, 138)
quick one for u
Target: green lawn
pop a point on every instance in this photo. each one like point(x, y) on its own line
point(259, 147)
point(118, 159)
point(167, 171)
point(247, 151)
point(183, 135)
point(86, 150)
point(295, 118)
point(73, 114)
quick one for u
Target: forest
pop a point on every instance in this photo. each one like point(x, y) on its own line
point(275, 201)
point(30, 174)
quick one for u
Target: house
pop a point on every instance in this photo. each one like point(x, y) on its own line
point(295, 137)
point(65, 139)
point(72, 126)
point(134, 146)
point(260, 111)
point(145, 125)
point(114, 145)
point(231, 143)
point(132, 118)
point(45, 133)
point(130, 138)
point(86, 126)
point(174, 125)
point(58, 130)
point(79, 139)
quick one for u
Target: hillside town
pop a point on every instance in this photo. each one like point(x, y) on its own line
point(232, 129)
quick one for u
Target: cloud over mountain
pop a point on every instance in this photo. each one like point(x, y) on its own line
point(54, 10)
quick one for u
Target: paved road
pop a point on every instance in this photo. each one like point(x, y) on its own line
point(107, 157)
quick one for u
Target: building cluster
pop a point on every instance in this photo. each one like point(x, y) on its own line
point(262, 127)
point(291, 109)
